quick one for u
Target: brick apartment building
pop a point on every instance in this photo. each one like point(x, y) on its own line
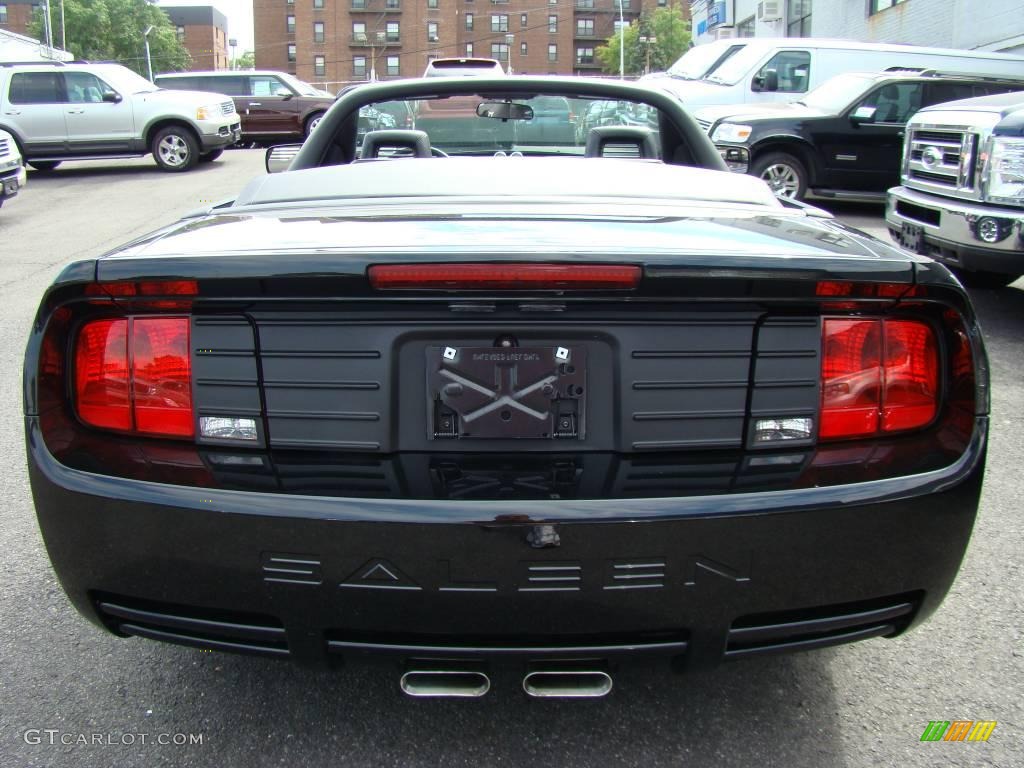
point(333, 42)
point(15, 15)
point(203, 30)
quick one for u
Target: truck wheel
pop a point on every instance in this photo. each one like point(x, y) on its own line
point(784, 173)
point(312, 122)
point(210, 156)
point(44, 165)
point(175, 148)
point(984, 279)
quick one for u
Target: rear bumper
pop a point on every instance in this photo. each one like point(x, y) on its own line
point(700, 579)
point(948, 231)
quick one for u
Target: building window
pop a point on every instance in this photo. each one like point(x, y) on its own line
point(662, 3)
point(552, 24)
point(469, 49)
point(584, 27)
point(798, 16)
point(179, 32)
point(392, 5)
point(318, 4)
point(319, 66)
point(318, 31)
point(585, 55)
point(499, 23)
point(393, 68)
point(880, 5)
point(358, 66)
point(618, 25)
point(552, 52)
point(432, 32)
point(745, 28)
point(499, 51)
point(431, 3)
point(522, 49)
point(291, 53)
point(392, 33)
point(522, 21)
point(359, 31)
point(469, 22)
point(289, 23)
point(358, 5)
point(585, 3)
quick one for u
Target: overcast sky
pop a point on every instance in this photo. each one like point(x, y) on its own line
point(239, 13)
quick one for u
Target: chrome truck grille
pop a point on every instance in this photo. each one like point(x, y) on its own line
point(5, 147)
point(943, 160)
point(705, 125)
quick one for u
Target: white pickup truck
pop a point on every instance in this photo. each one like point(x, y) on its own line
point(73, 111)
point(962, 198)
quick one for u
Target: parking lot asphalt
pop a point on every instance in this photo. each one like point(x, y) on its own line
point(63, 681)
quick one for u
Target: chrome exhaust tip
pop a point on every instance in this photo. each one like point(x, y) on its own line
point(440, 682)
point(567, 682)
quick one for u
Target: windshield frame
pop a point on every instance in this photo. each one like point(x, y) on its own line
point(126, 80)
point(749, 58)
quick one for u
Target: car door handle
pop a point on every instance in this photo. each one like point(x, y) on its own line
point(76, 111)
point(13, 112)
point(255, 104)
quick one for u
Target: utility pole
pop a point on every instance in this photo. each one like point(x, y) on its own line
point(622, 44)
point(63, 30)
point(149, 61)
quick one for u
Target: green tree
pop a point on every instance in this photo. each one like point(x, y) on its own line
point(111, 30)
point(671, 32)
point(246, 61)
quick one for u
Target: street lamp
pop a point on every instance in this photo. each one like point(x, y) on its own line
point(233, 42)
point(149, 61)
point(509, 39)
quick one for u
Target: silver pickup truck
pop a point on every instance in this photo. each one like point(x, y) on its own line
point(962, 198)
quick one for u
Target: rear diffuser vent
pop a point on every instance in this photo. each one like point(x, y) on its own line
point(196, 627)
point(767, 633)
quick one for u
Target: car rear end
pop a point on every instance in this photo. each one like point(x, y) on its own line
point(701, 438)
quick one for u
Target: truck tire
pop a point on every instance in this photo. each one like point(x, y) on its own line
point(175, 148)
point(783, 172)
point(44, 165)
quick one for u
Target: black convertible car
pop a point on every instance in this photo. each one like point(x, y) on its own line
point(475, 400)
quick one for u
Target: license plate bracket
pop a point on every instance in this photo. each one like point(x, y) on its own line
point(536, 392)
point(912, 237)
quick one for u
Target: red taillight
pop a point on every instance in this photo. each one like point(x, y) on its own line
point(507, 277)
point(101, 374)
point(877, 376)
point(161, 376)
point(151, 395)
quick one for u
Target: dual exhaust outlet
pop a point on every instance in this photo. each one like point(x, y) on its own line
point(565, 680)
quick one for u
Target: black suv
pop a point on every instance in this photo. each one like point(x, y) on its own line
point(843, 139)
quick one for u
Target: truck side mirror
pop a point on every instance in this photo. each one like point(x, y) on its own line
point(862, 115)
point(766, 80)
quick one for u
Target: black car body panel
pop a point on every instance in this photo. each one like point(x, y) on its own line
point(503, 469)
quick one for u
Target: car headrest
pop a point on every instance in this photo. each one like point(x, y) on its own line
point(627, 141)
point(395, 142)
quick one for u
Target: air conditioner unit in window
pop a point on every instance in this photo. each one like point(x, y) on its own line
point(432, 38)
point(725, 33)
point(769, 10)
point(360, 37)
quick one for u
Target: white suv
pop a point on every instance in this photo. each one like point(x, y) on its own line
point(92, 111)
